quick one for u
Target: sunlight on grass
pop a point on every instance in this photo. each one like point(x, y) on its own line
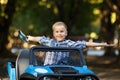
point(105, 62)
point(106, 73)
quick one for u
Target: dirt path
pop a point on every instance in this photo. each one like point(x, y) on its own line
point(104, 68)
point(107, 74)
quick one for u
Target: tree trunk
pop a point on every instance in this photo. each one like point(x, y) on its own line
point(107, 30)
point(118, 57)
point(4, 26)
point(114, 5)
point(109, 38)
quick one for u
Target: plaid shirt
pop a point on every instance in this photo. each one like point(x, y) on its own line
point(53, 58)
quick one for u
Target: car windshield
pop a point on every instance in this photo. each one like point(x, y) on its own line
point(63, 57)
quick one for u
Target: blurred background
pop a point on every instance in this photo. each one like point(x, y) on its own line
point(90, 20)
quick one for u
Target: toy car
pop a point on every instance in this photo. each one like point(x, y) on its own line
point(29, 65)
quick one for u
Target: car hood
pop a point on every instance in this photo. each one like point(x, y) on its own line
point(58, 69)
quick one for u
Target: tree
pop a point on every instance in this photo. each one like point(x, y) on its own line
point(5, 21)
point(74, 13)
point(107, 27)
point(115, 7)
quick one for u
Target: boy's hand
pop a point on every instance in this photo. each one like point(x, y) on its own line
point(111, 45)
point(29, 38)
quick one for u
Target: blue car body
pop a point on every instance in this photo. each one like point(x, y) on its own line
point(25, 67)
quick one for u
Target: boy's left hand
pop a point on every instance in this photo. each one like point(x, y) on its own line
point(111, 45)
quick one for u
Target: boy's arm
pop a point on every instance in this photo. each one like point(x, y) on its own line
point(32, 38)
point(94, 44)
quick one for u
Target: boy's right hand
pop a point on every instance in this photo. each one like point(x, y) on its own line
point(29, 38)
point(32, 38)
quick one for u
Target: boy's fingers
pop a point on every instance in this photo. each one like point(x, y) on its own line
point(111, 45)
point(28, 38)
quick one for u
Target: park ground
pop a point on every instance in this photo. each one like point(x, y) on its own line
point(102, 66)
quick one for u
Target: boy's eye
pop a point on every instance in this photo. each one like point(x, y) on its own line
point(61, 31)
point(57, 31)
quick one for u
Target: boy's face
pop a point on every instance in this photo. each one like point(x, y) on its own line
point(59, 32)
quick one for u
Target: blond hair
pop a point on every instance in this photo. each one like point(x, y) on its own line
point(59, 23)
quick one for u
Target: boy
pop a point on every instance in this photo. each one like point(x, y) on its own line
point(59, 34)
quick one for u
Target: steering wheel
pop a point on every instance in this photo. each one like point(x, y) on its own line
point(66, 61)
point(22, 36)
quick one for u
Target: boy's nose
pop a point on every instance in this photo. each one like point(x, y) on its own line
point(59, 32)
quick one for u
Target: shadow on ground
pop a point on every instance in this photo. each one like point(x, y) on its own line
point(104, 67)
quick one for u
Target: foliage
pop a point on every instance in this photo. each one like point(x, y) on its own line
point(36, 17)
point(32, 18)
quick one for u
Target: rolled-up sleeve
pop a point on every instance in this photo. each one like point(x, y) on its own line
point(77, 44)
point(44, 41)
